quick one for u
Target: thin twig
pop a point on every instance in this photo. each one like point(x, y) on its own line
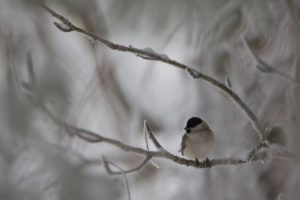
point(149, 132)
point(256, 149)
point(137, 168)
point(81, 133)
point(145, 135)
point(159, 57)
point(107, 163)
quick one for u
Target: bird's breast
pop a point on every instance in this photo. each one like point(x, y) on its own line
point(199, 144)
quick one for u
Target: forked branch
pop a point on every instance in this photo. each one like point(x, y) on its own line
point(122, 171)
point(137, 168)
point(92, 137)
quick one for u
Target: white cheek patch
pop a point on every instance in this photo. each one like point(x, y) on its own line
point(197, 128)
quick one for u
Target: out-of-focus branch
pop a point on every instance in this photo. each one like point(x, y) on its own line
point(137, 168)
point(148, 131)
point(266, 68)
point(149, 54)
point(107, 163)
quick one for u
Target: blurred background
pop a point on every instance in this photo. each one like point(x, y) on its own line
point(90, 86)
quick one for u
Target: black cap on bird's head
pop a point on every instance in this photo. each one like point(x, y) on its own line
point(192, 122)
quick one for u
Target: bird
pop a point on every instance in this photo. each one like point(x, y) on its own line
point(198, 141)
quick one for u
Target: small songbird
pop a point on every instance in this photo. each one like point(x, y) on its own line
point(198, 141)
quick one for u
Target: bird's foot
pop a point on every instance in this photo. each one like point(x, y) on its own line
point(207, 162)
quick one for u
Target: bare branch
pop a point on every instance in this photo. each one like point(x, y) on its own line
point(256, 149)
point(137, 168)
point(145, 57)
point(226, 161)
point(92, 137)
point(107, 163)
point(266, 68)
point(83, 134)
point(152, 137)
point(163, 58)
point(228, 82)
point(32, 78)
point(274, 139)
point(145, 135)
point(63, 27)
point(146, 130)
point(277, 153)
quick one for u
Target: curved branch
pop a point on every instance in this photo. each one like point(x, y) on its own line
point(107, 163)
point(137, 168)
point(81, 133)
point(92, 137)
point(149, 132)
point(149, 54)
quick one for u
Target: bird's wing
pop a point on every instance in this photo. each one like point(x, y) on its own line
point(183, 143)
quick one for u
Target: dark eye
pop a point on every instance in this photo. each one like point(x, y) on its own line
point(194, 121)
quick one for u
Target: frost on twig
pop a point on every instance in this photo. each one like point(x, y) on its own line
point(255, 150)
point(150, 54)
point(63, 27)
point(193, 73)
point(228, 82)
point(273, 146)
point(149, 50)
point(145, 57)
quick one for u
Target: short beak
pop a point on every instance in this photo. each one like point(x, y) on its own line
point(187, 130)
